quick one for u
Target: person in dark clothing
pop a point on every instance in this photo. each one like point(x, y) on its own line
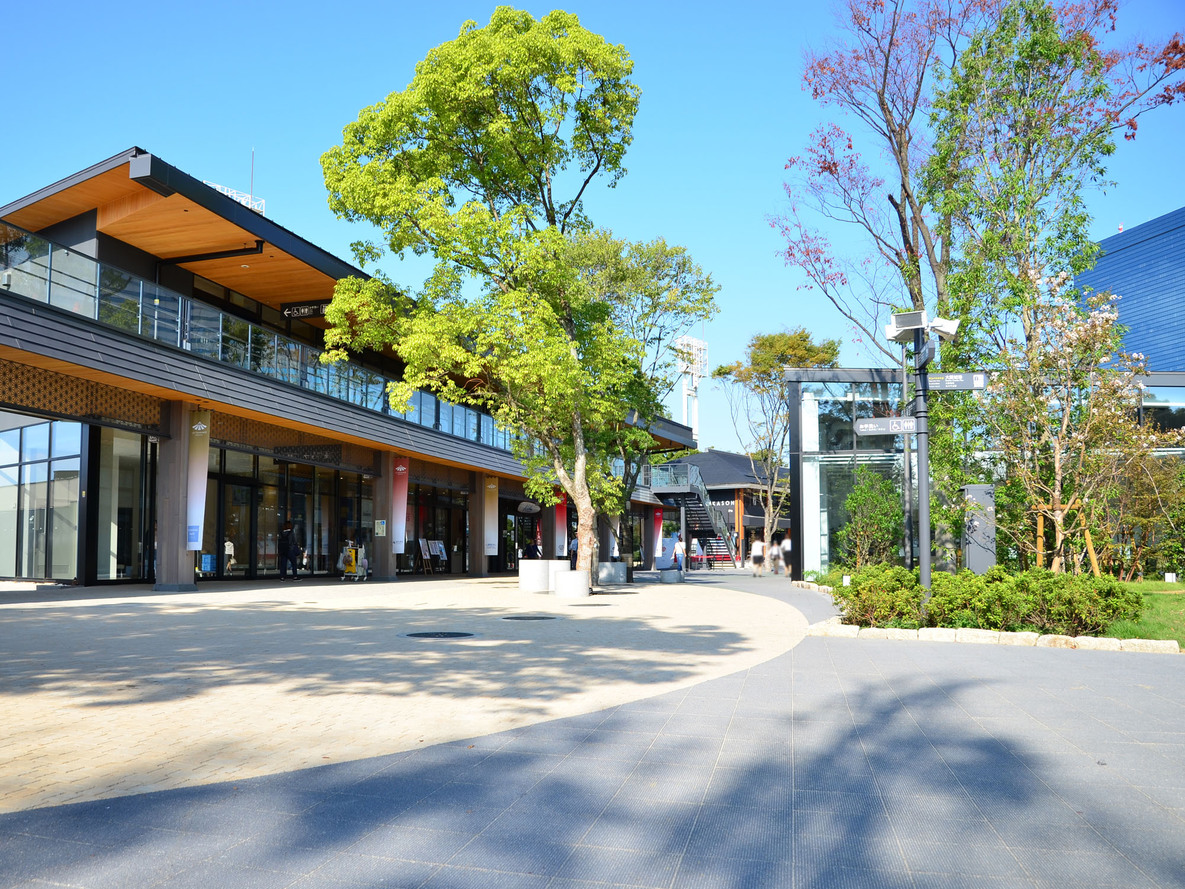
point(289, 552)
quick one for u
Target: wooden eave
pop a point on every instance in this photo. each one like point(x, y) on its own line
point(141, 201)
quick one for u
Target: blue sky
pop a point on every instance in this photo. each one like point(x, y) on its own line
point(203, 84)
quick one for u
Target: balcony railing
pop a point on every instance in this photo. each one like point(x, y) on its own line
point(33, 267)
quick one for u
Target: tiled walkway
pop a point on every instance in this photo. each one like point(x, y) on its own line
point(840, 763)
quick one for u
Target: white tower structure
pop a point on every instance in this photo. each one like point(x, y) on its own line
point(247, 200)
point(693, 367)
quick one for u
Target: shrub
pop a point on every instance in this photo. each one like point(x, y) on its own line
point(1080, 605)
point(880, 596)
point(989, 602)
point(1041, 601)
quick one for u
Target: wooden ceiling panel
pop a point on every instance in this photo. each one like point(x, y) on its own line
point(175, 226)
point(271, 277)
point(103, 189)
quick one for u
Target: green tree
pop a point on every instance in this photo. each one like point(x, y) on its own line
point(875, 519)
point(1024, 122)
point(483, 161)
point(656, 293)
point(953, 208)
point(757, 401)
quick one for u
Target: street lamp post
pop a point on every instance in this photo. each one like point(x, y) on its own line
point(921, 413)
point(916, 326)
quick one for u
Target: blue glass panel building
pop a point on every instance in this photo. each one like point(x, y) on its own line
point(1145, 266)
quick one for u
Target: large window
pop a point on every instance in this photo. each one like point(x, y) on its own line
point(122, 536)
point(40, 475)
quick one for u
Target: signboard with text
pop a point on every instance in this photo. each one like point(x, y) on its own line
point(887, 426)
point(958, 382)
point(305, 309)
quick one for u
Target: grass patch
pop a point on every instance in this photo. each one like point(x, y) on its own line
point(1163, 616)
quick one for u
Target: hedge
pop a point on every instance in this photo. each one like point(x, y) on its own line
point(1037, 601)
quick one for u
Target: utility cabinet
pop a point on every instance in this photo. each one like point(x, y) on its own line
point(979, 528)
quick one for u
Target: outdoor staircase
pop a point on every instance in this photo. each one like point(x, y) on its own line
point(680, 485)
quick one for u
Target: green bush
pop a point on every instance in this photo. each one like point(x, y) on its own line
point(993, 601)
point(1040, 601)
point(880, 596)
point(1080, 605)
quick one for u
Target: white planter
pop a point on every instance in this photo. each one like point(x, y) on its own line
point(670, 575)
point(555, 567)
point(534, 576)
point(571, 584)
point(610, 573)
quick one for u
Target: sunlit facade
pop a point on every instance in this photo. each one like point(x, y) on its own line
point(164, 409)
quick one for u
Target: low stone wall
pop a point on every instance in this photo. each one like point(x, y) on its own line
point(833, 628)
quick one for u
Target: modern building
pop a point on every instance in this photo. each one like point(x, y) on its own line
point(1145, 267)
point(164, 409)
point(736, 491)
point(825, 450)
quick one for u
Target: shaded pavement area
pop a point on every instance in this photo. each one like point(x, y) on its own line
point(831, 763)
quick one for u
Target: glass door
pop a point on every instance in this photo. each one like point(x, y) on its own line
point(234, 543)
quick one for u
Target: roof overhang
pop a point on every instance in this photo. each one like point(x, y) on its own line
point(671, 436)
point(143, 201)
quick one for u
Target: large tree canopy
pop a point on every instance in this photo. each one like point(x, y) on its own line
point(499, 135)
point(557, 329)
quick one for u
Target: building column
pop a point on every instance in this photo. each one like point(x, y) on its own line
point(479, 562)
point(174, 562)
point(382, 562)
point(551, 542)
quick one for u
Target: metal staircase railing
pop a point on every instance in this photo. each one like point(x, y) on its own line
point(687, 476)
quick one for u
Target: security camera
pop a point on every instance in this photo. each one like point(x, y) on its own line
point(945, 328)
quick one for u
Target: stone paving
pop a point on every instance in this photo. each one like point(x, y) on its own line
point(826, 763)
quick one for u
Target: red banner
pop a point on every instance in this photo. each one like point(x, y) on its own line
point(560, 511)
point(400, 471)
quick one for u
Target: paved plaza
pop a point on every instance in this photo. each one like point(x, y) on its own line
point(684, 736)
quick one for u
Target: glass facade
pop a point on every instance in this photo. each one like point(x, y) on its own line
point(248, 499)
point(40, 486)
point(436, 514)
point(41, 270)
point(830, 453)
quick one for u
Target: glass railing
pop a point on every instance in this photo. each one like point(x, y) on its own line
point(38, 269)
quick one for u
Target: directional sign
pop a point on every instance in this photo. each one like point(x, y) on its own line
point(967, 382)
point(887, 426)
point(306, 310)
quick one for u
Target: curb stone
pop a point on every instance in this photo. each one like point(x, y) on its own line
point(887, 633)
point(834, 629)
point(980, 637)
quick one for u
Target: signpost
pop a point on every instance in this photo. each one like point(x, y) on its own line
point(887, 426)
point(958, 382)
point(306, 309)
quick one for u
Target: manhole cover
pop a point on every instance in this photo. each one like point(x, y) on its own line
point(530, 617)
point(438, 634)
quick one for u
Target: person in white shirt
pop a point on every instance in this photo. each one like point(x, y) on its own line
point(680, 552)
point(757, 556)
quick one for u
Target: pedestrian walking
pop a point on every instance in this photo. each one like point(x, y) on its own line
point(757, 557)
point(573, 549)
point(680, 551)
point(775, 558)
point(289, 552)
point(787, 546)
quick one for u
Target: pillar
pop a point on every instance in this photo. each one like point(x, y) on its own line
point(174, 563)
